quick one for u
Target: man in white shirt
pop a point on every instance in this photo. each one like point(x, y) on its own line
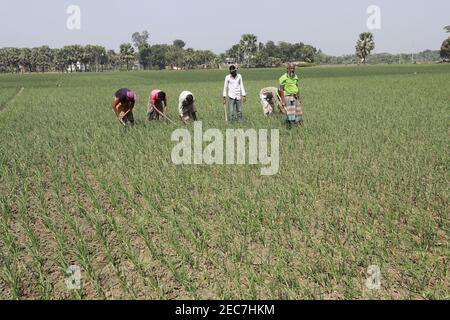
point(233, 91)
point(186, 107)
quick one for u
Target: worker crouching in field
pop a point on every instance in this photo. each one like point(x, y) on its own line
point(186, 107)
point(157, 105)
point(270, 100)
point(289, 93)
point(123, 105)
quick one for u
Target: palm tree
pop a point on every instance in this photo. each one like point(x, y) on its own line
point(248, 46)
point(127, 54)
point(364, 46)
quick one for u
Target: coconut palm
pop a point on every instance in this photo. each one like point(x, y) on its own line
point(364, 46)
point(248, 46)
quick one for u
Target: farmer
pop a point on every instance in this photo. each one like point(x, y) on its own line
point(123, 105)
point(157, 101)
point(186, 107)
point(290, 98)
point(270, 100)
point(233, 91)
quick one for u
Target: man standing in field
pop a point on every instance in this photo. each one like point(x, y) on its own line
point(233, 92)
point(157, 105)
point(290, 98)
point(270, 100)
point(123, 105)
point(186, 107)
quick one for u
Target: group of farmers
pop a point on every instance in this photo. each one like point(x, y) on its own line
point(285, 99)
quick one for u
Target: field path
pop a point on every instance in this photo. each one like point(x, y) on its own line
point(11, 100)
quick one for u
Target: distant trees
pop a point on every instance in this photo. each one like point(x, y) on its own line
point(253, 54)
point(127, 54)
point(27, 59)
point(44, 58)
point(445, 47)
point(157, 56)
point(59, 61)
point(113, 59)
point(94, 57)
point(235, 53)
point(140, 39)
point(142, 47)
point(180, 44)
point(140, 54)
point(364, 46)
point(248, 47)
point(427, 56)
point(71, 58)
point(11, 58)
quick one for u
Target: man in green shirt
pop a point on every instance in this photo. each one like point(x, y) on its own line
point(290, 97)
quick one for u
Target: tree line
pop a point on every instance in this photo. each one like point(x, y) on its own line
point(141, 55)
point(77, 58)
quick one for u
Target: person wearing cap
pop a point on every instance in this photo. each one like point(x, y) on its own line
point(186, 107)
point(290, 98)
point(270, 100)
point(123, 105)
point(234, 93)
point(157, 104)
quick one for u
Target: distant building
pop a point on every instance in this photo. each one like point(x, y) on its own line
point(76, 67)
point(230, 61)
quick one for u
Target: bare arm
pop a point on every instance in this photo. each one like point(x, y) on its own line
point(114, 106)
point(281, 93)
point(244, 94)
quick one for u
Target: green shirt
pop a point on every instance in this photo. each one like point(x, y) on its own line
point(290, 84)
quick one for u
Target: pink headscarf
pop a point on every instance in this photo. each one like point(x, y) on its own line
point(131, 95)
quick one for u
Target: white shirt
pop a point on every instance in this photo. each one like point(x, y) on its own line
point(183, 96)
point(234, 86)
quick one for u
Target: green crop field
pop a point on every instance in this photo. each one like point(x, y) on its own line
point(366, 182)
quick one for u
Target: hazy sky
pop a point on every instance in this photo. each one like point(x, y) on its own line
point(332, 26)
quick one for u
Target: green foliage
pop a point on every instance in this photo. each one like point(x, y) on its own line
point(180, 44)
point(127, 54)
point(445, 49)
point(143, 55)
point(364, 46)
point(140, 39)
point(270, 54)
point(248, 47)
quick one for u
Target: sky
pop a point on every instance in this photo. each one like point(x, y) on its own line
point(332, 26)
